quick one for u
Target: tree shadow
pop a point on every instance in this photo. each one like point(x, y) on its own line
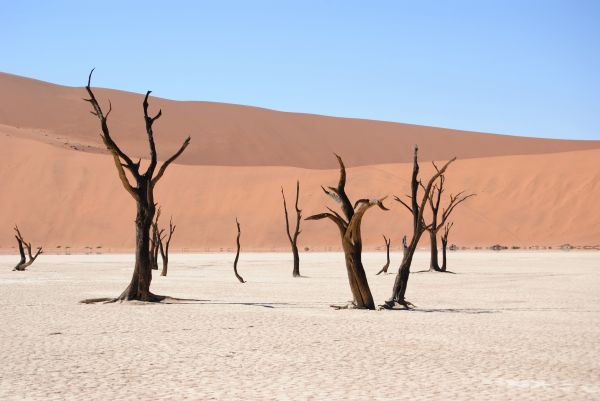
point(468, 311)
point(434, 271)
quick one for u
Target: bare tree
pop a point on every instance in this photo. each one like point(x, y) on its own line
point(417, 209)
point(237, 254)
point(350, 233)
point(447, 228)
point(155, 241)
point(435, 197)
point(142, 191)
point(164, 245)
point(293, 237)
point(384, 269)
point(24, 263)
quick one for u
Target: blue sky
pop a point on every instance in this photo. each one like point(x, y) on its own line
point(517, 67)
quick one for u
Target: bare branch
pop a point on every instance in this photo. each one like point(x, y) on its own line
point(170, 160)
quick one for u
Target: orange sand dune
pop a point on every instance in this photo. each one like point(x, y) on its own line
point(232, 135)
point(70, 198)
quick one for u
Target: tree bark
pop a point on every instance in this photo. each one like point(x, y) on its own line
point(237, 254)
point(444, 246)
point(293, 238)
point(433, 264)
point(417, 208)
point(384, 269)
point(24, 263)
point(350, 232)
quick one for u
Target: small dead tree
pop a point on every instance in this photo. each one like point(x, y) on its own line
point(349, 227)
point(155, 241)
point(384, 269)
point(164, 245)
point(447, 228)
point(24, 263)
point(293, 237)
point(237, 254)
point(142, 191)
point(417, 208)
point(436, 225)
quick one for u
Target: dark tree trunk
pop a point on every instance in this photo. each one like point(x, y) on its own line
point(401, 281)
point(296, 271)
point(139, 286)
point(23, 262)
point(164, 247)
point(21, 265)
point(359, 286)
point(293, 237)
point(433, 264)
point(444, 246)
point(237, 254)
point(350, 233)
point(384, 269)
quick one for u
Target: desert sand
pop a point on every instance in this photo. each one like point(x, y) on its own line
point(63, 191)
point(507, 326)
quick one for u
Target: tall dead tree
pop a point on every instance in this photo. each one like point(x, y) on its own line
point(447, 228)
point(384, 269)
point(417, 208)
point(25, 262)
point(237, 254)
point(293, 237)
point(141, 190)
point(164, 244)
point(349, 227)
point(436, 225)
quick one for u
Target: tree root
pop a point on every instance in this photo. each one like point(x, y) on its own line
point(348, 305)
point(391, 305)
point(152, 298)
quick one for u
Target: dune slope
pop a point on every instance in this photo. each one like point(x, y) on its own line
point(233, 135)
point(65, 197)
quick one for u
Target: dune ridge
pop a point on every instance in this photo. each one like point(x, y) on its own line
point(235, 135)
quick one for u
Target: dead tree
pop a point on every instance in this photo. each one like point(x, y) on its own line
point(155, 241)
point(237, 254)
point(164, 244)
point(417, 208)
point(349, 227)
point(293, 237)
point(24, 263)
point(384, 269)
point(447, 228)
point(436, 225)
point(141, 190)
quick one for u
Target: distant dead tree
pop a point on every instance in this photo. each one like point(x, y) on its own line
point(447, 228)
point(436, 225)
point(293, 237)
point(164, 245)
point(155, 241)
point(142, 191)
point(417, 208)
point(350, 233)
point(24, 263)
point(384, 269)
point(237, 254)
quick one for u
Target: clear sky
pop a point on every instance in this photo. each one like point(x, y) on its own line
point(517, 67)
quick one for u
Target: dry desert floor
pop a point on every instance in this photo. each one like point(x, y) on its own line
point(508, 325)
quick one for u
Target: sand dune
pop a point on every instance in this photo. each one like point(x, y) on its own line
point(61, 187)
point(232, 135)
point(65, 197)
